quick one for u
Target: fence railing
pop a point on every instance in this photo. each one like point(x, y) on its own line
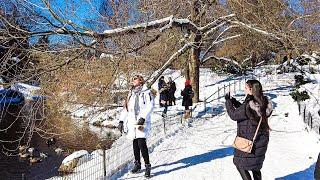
point(232, 86)
point(312, 119)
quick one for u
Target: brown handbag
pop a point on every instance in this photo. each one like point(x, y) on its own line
point(244, 144)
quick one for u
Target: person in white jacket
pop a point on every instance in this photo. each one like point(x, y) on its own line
point(135, 121)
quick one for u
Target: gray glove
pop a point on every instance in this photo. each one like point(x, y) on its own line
point(141, 121)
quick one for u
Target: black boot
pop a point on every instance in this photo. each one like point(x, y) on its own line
point(148, 170)
point(136, 168)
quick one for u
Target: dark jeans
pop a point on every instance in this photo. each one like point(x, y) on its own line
point(246, 175)
point(186, 107)
point(140, 144)
point(172, 99)
point(164, 112)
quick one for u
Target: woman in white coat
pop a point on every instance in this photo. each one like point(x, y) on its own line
point(135, 121)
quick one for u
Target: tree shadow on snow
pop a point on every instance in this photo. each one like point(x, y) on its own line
point(281, 88)
point(229, 78)
point(214, 111)
point(202, 113)
point(271, 95)
point(197, 159)
point(301, 175)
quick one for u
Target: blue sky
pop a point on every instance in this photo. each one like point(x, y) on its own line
point(83, 13)
point(89, 11)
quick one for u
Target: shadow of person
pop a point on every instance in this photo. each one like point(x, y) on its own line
point(195, 160)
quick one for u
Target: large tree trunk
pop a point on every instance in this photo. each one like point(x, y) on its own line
point(195, 52)
point(194, 66)
point(187, 70)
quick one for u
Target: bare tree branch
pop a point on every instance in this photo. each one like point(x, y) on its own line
point(172, 58)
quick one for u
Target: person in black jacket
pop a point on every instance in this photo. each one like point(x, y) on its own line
point(187, 94)
point(256, 107)
point(172, 90)
point(164, 95)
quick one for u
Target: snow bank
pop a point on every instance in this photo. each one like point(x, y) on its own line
point(29, 91)
point(73, 156)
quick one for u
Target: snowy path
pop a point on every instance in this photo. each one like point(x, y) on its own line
point(203, 151)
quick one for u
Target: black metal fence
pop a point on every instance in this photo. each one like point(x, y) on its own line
point(312, 119)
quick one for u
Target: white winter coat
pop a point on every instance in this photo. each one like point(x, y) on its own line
point(146, 104)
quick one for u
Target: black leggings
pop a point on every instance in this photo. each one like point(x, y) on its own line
point(140, 144)
point(246, 175)
point(165, 109)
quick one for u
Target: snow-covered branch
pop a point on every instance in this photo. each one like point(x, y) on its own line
point(216, 22)
point(248, 26)
point(172, 58)
point(302, 17)
point(160, 24)
point(222, 59)
point(213, 30)
point(216, 41)
point(246, 59)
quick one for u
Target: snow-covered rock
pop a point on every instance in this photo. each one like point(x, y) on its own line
point(73, 160)
point(73, 156)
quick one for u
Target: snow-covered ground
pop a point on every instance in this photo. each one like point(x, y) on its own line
point(204, 150)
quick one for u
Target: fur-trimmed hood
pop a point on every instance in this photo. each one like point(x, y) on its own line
point(256, 107)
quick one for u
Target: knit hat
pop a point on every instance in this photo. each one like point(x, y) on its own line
point(187, 82)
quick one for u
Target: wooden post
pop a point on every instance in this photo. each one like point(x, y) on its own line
point(104, 161)
point(218, 93)
point(164, 125)
point(309, 67)
point(205, 103)
point(304, 114)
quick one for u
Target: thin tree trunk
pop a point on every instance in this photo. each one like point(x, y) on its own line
point(187, 71)
point(187, 66)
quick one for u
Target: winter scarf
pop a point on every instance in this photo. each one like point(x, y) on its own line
point(136, 91)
